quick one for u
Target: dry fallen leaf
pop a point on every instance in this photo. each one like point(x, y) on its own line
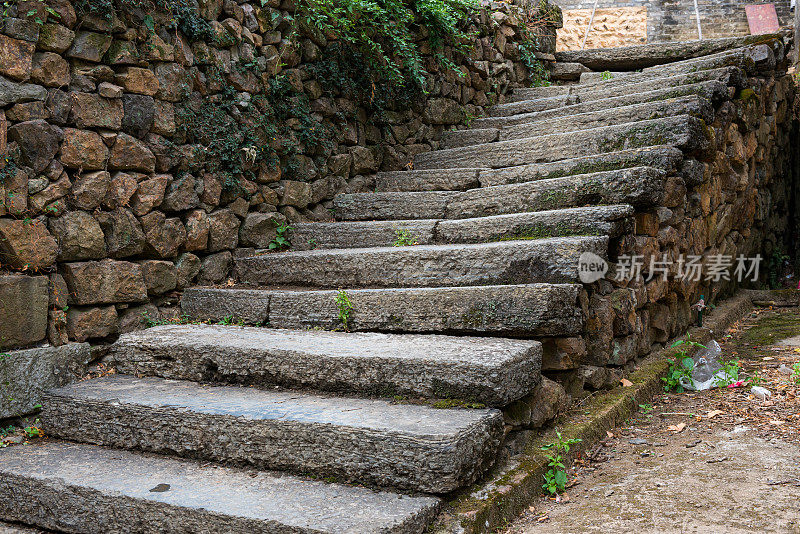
point(626, 383)
point(714, 413)
point(609, 434)
point(677, 428)
point(776, 422)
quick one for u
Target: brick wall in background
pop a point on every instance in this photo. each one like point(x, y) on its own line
point(617, 22)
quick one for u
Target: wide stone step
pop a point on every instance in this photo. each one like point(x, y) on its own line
point(488, 370)
point(68, 487)
point(713, 90)
point(730, 76)
point(643, 187)
point(600, 220)
point(688, 133)
point(688, 105)
point(648, 55)
point(553, 260)
point(665, 158)
point(509, 310)
point(661, 157)
point(751, 59)
point(455, 180)
point(406, 446)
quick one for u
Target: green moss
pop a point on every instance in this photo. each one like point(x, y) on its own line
point(773, 328)
point(747, 95)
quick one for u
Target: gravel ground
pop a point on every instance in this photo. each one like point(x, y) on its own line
point(715, 461)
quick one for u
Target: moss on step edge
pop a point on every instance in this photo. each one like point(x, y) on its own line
point(506, 495)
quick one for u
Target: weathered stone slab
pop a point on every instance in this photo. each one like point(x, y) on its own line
point(596, 220)
point(421, 448)
point(26, 374)
point(23, 311)
point(490, 370)
point(534, 309)
point(110, 491)
point(309, 236)
point(712, 90)
point(12, 92)
point(363, 234)
point(687, 105)
point(431, 180)
point(532, 105)
point(684, 132)
point(665, 158)
point(473, 136)
point(509, 262)
point(647, 55)
point(369, 206)
point(639, 186)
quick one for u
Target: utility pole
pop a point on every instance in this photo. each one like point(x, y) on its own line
point(697, 16)
point(796, 55)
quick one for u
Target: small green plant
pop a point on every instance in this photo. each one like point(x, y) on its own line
point(229, 320)
point(445, 404)
point(730, 374)
point(606, 75)
point(345, 307)
point(281, 240)
point(404, 238)
point(796, 373)
point(646, 408)
point(755, 380)
point(681, 365)
point(34, 430)
point(555, 480)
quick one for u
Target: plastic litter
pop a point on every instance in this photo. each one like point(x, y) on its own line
point(760, 393)
point(785, 370)
point(707, 369)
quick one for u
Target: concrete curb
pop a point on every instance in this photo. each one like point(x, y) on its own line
point(508, 490)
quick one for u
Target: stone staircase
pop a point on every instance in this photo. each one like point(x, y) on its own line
point(298, 428)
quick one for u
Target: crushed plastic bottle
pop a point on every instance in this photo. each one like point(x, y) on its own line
point(707, 369)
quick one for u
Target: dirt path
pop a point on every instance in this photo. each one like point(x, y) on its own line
point(715, 461)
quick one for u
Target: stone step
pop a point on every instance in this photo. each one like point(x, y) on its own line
point(688, 133)
point(489, 370)
point(601, 220)
point(406, 446)
point(687, 105)
point(640, 186)
point(661, 157)
point(730, 76)
point(666, 158)
point(652, 54)
point(69, 487)
point(455, 180)
point(713, 90)
point(750, 59)
point(553, 260)
point(508, 310)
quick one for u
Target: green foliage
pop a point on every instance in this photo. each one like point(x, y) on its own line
point(34, 430)
point(404, 238)
point(775, 266)
point(606, 75)
point(281, 240)
point(555, 479)
point(796, 373)
point(681, 365)
point(384, 31)
point(345, 307)
point(181, 14)
point(730, 374)
point(538, 74)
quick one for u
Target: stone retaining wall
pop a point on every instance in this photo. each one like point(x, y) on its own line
point(108, 203)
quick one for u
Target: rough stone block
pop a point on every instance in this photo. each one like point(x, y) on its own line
point(17, 58)
point(23, 311)
point(91, 323)
point(26, 374)
point(26, 244)
point(105, 282)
